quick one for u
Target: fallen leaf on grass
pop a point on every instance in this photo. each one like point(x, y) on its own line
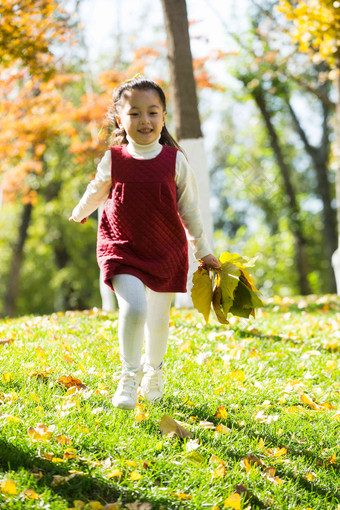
point(115, 506)
point(141, 416)
point(331, 459)
point(115, 473)
point(41, 374)
point(220, 472)
point(31, 494)
point(7, 377)
point(216, 460)
point(95, 505)
point(171, 428)
point(6, 341)
point(206, 425)
point(136, 505)
point(180, 495)
point(221, 413)
point(70, 382)
point(195, 458)
point(222, 429)
point(61, 439)
point(277, 452)
point(8, 487)
point(310, 475)
point(233, 501)
point(78, 504)
point(250, 460)
point(59, 480)
point(39, 433)
point(269, 474)
point(135, 475)
point(40, 352)
point(192, 444)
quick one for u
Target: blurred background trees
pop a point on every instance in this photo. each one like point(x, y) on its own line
point(272, 159)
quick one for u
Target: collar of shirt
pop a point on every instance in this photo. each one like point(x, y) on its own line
point(139, 151)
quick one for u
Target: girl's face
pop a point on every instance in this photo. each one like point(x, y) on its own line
point(142, 116)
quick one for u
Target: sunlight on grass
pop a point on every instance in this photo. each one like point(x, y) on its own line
point(258, 401)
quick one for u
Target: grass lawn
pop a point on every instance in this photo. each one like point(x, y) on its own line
point(261, 399)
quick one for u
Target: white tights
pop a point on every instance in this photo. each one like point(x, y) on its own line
point(141, 308)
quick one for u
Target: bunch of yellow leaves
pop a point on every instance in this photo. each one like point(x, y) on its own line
point(228, 289)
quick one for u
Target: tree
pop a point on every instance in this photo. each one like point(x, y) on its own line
point(185, 108)
point(317, 27)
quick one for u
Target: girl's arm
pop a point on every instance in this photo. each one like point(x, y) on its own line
point(96, 192)
point(188, 208)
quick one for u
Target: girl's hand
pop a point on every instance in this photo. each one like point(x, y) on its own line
point(210, 262)
point(82, 221)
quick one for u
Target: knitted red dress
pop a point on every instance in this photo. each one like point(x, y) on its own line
point(140, 232)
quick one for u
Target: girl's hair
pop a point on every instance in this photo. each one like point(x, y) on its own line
point(118, 135)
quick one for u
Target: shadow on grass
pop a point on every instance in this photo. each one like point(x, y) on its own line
point(203, 412)
point(82, 487)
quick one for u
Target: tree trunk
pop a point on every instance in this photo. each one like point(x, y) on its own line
point(294, 213)
point(336, 255)
point(186, 115)
point(12, 292)
point(320, 158)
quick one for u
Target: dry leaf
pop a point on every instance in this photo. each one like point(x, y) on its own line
point(31, 494)
point(170, 428)
point(115, 473)
point(331, 459)
point(180, 495)
point(206, 425)
point(78, 504)
point(6, 341)
point(222, 429)
point(7, 377)
point(220, 472)
point(135, 475)
point(61, 439)
point(233, 501)
point(115, 506)
point(141, 416)
point(216, 460)
point(137, 505)
point(192, 444)
point(39, 433)
point(8, 487)
point(95, 505)
point(221, 413)
point(70, 382)
point(310, 475)
point(309, 402)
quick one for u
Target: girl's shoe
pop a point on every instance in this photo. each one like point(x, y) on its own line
point(126, 393)
point(152, 383)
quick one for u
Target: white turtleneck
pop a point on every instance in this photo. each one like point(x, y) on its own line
point(187, 193)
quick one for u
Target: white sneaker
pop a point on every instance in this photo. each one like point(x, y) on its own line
point(126, 393)
point(152, 383)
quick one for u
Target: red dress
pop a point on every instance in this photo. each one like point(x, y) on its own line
point(140, 231)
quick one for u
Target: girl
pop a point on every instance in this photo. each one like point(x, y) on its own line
point(151, 195)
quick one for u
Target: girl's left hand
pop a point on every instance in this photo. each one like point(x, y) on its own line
point(210, 261)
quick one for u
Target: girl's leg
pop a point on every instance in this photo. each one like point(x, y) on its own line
point(157, 332)
point(157, 326)
point(130, 294)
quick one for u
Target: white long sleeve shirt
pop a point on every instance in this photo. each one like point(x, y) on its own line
point(187, 193)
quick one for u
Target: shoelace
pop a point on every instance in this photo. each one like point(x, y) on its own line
point(153, 379)
point(128, 382)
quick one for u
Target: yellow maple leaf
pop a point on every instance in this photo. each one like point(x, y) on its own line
point(309, 402)
point(141, 416)
point(310, 476)
point(8, 487)
point(233, 501)
point(95, 505)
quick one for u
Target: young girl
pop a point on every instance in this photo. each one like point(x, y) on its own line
point(151, 195)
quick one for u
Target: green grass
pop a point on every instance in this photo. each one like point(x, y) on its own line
point(258, 370)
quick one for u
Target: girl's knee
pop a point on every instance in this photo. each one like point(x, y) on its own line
point(136, 311)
